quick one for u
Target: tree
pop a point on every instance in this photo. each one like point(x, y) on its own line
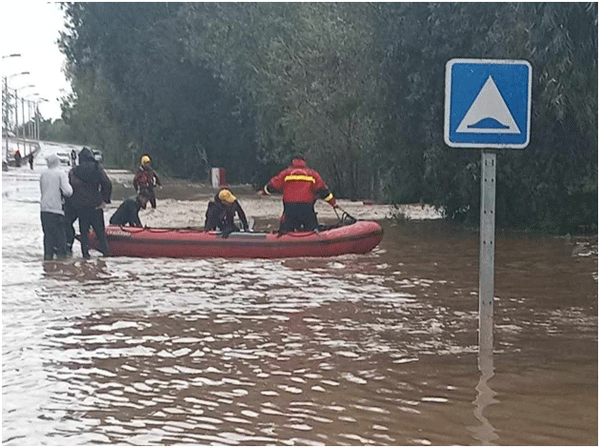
point(560, 41)
point(358, 88)
point(160, 102)
point(309, 71)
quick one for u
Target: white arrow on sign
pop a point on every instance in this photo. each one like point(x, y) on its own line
point(489, 113)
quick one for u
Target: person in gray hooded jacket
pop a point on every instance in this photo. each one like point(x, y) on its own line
point(54, 186)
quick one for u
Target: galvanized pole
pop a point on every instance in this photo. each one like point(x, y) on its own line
point(23, 125)
point(6, 116)
point(487, 240)
point(17, 118)
point(37, 121)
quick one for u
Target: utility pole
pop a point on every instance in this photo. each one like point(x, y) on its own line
point(6, 110)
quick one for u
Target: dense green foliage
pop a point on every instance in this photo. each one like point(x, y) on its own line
point(358, 88)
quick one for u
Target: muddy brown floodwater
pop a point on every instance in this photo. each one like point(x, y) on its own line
point(376, 349)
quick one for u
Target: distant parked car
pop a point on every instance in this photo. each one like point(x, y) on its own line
point(65, 158)
point(97, 155)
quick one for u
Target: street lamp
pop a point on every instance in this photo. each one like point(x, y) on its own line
point(37, 116)
point(6, 105)
point(24, 87)
point(32, 105)
point(22, 114)
point(29, 100)
point(18, 74)
point(7, 93)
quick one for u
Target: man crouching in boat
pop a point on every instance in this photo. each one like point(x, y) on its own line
point(128, 211)
point(301, 186)
point(221, 211)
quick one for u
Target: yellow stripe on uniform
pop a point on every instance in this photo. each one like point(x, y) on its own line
point(329, 197)
point(299, 177)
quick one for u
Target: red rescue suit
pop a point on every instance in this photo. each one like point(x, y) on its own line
point(301, 187)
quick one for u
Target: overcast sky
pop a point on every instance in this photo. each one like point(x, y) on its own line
point(31, 29)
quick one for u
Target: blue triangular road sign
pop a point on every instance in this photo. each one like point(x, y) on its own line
point(488, 103)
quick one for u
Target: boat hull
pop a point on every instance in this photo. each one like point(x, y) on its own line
point(360, 237)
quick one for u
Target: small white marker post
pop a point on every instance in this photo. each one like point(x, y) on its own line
point(487, 238)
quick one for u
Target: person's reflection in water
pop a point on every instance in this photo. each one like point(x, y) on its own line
point(484, 433)
point(76, 270)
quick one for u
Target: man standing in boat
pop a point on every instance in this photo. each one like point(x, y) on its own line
point(301, 187)
point(221, 211)
point(128, 211)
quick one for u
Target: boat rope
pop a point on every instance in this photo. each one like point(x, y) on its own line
point(346, 217)
point(133, 229)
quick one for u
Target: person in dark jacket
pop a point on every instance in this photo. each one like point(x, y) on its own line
point(301, 186)
point(70, 218)
point(91, 191)
point(146, 179)
point(128, 211)
point(221, 211)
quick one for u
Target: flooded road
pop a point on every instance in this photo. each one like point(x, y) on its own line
point(376, 349)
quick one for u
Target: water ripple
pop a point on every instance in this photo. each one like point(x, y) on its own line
point(378, 349)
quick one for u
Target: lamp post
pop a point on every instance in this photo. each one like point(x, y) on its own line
point(28, 125)
point(8, 106)
point(37, 116)
point(22, 115)
point(6, 78)
point(33, 101)
point(18, 74)
point(7, 86)
point(31, 106)
point(6, 111)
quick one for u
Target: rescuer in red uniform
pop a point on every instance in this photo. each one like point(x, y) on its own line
point(146, 179)
point(301, 187)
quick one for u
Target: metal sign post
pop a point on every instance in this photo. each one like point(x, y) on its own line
point(487, 239)
point(488, 107)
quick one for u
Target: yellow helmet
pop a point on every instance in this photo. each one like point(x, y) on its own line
point(145, 159)
point(227, 196)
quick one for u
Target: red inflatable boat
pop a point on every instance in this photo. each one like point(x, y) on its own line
point(358, 238)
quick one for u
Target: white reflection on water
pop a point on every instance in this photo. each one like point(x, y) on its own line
point(485, 433)
point(171, 350)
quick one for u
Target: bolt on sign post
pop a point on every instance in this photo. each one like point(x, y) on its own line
point(487, 107)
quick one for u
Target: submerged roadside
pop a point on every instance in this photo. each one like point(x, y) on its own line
point(181, 203)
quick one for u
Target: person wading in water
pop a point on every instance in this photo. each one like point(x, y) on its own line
point(146, 179)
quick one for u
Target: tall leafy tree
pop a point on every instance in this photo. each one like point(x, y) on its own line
point(162, 103)
point(356, 87)
point(308, 69)
point(536, 186)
